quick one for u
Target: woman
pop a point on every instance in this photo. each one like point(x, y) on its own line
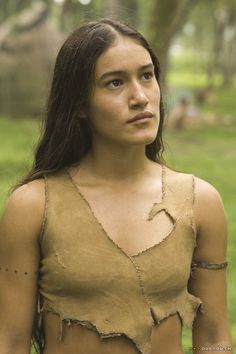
point(122, 250)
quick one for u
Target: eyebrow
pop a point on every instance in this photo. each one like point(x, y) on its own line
point(121, 72)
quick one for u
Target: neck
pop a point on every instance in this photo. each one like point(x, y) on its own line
point(116, 163)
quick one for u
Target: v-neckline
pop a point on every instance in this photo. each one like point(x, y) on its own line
point(116, 245)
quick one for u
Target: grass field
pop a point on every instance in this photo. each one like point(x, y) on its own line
point(207, 152)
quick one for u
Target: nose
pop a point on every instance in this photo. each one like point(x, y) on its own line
point(138, 97)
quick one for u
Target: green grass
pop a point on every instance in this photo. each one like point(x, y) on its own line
point(207, 152)
point(17, 140)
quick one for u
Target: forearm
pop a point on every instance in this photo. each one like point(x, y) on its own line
point(212, 335)
point(10, 350)
point(8, 346)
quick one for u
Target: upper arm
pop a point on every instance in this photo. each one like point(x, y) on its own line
point(210, 285)
point(20, 227)
point(211, 224)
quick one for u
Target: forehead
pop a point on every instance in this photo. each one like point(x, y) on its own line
point(124, 54)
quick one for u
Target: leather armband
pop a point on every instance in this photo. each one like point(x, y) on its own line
point(206, 265)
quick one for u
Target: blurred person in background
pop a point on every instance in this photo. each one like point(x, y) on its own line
point(179, 114)
point(103, 248)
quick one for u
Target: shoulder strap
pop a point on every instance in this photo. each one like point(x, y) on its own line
point(178, 196)
point(179, 189)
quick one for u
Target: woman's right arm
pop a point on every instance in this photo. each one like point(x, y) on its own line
point(20, 227)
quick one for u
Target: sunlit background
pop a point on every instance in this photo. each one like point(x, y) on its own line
point(195, 42)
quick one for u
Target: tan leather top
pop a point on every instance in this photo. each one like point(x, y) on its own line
point(87, 278)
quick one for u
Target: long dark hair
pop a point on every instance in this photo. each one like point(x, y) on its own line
point(66, 136)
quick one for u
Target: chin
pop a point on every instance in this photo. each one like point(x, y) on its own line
point(143, 142)
point(147, 139)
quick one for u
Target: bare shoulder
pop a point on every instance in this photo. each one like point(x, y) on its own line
point(28, 197)
point(24, 210)
point(208, 201)
point(205, 190)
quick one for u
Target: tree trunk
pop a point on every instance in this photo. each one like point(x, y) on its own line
point(126, 10)
point(228, 47)
point(223, 53)
point(166, 18)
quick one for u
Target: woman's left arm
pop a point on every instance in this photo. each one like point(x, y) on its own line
point(211, 331)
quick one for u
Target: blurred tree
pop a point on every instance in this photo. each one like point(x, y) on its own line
point(68, 11)
point(50, 4)
point(225, 40)
point(165, 20)
point(11, 7)
point(73, 12)
point(112, 7)
point(27, 52)
point(127, 10)
point(213, 38)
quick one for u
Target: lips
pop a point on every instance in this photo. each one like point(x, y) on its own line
point(140, 116)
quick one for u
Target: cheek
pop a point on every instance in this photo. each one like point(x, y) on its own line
point(102, 115)
point(97, 110)
point(155, 98)
point(156, 93)
point(106, 109)
point(100, 104)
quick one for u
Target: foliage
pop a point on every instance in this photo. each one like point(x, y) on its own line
point(17, 141)
point(211, 32)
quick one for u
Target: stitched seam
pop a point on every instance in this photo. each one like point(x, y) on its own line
point(174, 225)
point(141, 283)
point(146, 298)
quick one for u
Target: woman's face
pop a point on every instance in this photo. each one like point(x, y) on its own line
point(125, 101)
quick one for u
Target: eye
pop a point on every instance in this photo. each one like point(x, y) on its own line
point(148, 75)
point(114, 83)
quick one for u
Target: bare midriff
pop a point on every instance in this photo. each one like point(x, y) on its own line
point(77, 339)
